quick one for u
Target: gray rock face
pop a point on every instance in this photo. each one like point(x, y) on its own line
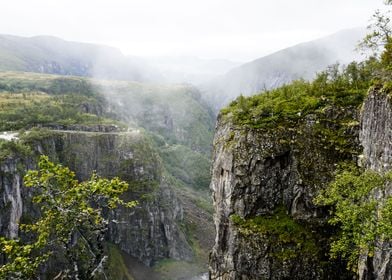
point(257, 172)
point(376, 139)
point(149, 232)
point(376, 131)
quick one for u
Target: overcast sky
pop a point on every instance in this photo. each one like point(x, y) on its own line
point(232, 29)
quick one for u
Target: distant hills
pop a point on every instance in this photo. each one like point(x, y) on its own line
point(51, 55)
point(220, 80)
point(300, 61)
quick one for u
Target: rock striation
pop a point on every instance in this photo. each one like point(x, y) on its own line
point(376, 139)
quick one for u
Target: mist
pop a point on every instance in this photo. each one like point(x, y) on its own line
point(302, 61)
point(208, 29)
point(162, 71)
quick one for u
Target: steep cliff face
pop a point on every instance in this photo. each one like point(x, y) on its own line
point(11, 197)
point(376, 139)
point(149, 232)
point(263, 184)
point(376, 130)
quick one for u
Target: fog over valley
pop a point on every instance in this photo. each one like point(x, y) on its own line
point(194, 140)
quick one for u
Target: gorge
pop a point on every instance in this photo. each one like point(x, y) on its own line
point(247, 199)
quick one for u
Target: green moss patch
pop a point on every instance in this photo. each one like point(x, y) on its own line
point(289, 238)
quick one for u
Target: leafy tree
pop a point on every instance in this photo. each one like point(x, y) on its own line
point(380, 31)
point(364, 221)
point(71, 224)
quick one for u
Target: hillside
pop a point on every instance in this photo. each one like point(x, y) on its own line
point(301, 61)
point(51, 55)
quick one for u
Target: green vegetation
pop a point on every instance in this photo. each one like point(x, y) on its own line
point(13, 148)
point(16, 82)
point(29, 100)
point(290, 238)
point(360, 205)
point(71, 222)
point(364, 221)
point(286, 105)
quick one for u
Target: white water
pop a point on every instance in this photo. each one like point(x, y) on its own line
point(14, 196)
point(8, 135)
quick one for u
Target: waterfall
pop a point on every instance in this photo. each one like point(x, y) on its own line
point(13, 194)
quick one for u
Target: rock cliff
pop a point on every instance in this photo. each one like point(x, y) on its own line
point(376, 139)
point(265, 180)
point(149, 232)
point(270, 177)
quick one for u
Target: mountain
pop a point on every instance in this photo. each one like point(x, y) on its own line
point(221, 80)
point(51, 55)
point(300, 61)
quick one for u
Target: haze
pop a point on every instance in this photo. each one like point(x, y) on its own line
point(223, 29)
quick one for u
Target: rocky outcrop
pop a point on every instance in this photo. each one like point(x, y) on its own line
point(149, 232)
point(376, 139)
point(264, 182)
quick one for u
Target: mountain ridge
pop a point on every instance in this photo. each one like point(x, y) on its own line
point(302, 60)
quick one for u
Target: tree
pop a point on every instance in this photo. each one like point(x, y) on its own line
point(380, 32)
point(71, 224)
point(364, 221)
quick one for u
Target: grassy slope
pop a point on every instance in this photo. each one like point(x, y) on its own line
point(28, 100)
